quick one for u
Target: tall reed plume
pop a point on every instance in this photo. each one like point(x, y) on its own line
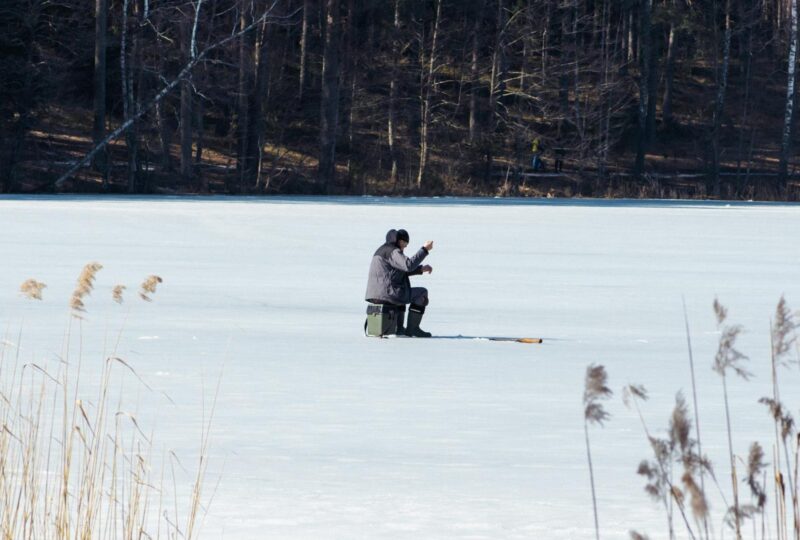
point(595, 390)
point(84, 287)
point(728, 358)
point(702, 486)
point(32, 289)
point(677, 447)
point(149, 287)
point(75, 468)
point(783, 337)
point(116, 293)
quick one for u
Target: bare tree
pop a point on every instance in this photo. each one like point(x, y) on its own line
point(195, 59)
point(474, 73)
point(303, 49)
point(719, 103)
point(788, 115)
point(426, 94)
point(99, 125)
point(391, 126)
point(329, 115)
point(187, 36)
point(645, 56)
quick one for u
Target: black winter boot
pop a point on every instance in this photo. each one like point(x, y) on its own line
point(414, 318)
point(401, 315)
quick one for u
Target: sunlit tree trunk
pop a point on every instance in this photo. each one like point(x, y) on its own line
point(99, 124)
point(244, 91)
point(669, 75)
point(303, 50)
point(644, 77)
point(474, 74)
point(719, 103)
point(745, 123)
point(427, 91)
point(329, 117)
point(788, 113)
point(127, 68)
point(257, 102)
point(186, 109)
point(391, 124)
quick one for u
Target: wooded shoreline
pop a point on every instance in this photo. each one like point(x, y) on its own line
point(637, 98)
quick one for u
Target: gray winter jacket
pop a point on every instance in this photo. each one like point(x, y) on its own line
point(388, 273)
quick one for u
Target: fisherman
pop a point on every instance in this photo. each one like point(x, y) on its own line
point(388, 281)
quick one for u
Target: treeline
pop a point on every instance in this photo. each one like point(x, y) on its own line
point(397, 96)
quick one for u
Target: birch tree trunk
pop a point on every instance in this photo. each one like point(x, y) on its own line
point(719, 104)
point(669, 76)
point(303, 50)
point(165, 129)
point(256, 122)
point(186, 109)
point(427, 91)
point(391, 127)
point(745, 127)
point(128, 99)
point(788, 114)
point(644, 77)
point(245, 89)
point(474, 82)
point(579, 120)
point(99, 124)
point(329, 114)
point(605, 114)
point(350, 72)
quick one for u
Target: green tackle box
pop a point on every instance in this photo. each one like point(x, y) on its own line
point(382, 319)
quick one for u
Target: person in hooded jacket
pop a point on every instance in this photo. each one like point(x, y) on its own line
point(389, 281)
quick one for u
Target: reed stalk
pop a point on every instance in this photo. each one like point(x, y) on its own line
point(595, 390)
point(78, 469)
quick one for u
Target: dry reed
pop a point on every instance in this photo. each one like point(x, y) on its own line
point(32, 289)
point(149, 287)
point(595, 390)
point(658, 472)
point(76, 468)
point(116, 293)
point(84, 287)
point(679, 447)
point(728, 358)
point(696, 415)
point(782, 337)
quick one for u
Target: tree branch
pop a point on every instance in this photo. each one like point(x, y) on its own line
point(187, 69)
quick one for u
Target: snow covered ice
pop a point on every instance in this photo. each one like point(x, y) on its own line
point(320, 432)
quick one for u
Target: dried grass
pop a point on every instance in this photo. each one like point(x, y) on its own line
point(149, 287)
point(84, 287)
point(595, 389)
point(116, 294)
point(680, 448)
point(75, 468)
point(32, 289)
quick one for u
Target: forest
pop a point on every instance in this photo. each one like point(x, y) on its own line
point(547, 98)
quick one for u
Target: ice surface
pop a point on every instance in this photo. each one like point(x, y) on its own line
point(320, 432)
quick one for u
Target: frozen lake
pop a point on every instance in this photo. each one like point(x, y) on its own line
point(320, 432)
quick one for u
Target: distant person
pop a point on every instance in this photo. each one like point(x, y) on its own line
point(558, 164)
point(389, 281)
point(536, 154)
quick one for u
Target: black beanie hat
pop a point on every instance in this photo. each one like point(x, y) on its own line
point(402, 234)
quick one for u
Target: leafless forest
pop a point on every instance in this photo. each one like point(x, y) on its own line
point(627, 98)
